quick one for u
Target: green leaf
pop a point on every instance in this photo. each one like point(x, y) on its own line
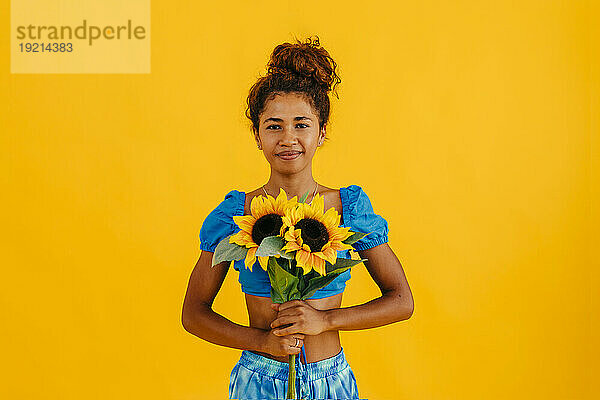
point(303, 198)
point(276, 297)
point(302, 283)
point(342, 264)
point(271, 246)
point(317, 283)
point(285, 264)
point(311, 274)
point(287, 256)
point(284, 285)
point(298, 272)
point(356, 236)
point(226, 251)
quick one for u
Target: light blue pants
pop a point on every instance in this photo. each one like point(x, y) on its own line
point(255, 377)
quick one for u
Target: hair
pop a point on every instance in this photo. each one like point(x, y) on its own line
point(303, 68)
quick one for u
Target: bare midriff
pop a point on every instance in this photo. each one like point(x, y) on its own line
point(316, 347)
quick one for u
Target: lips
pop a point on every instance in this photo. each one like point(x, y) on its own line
point(289, 155)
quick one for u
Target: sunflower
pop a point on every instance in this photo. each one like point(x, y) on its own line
point(315, 236)
point(266, 219)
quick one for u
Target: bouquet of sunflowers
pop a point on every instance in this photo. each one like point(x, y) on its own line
point(296, 244)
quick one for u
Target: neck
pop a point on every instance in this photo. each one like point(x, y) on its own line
point(293, 184)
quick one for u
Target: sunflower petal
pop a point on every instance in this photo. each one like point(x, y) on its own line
point(293, 202)
point(320, 266)
point(337, 245)
point(298, 212)
point(330, 255)
point(302, 257)
point(289, 235)
point(245, 222)
point(330, 218)
point(257, 207)
point(287, 220)
point(269, 199)
point(354, 255)
point(318, 204)
point(250, 258)
point(263, 260)
point(340, 233)
point(280, 202)
point(241, 238)
point(305, 268)
point(298, 235)
point(315, 262)
point(291, 246)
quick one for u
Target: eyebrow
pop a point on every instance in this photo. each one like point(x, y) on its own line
point(280, 120)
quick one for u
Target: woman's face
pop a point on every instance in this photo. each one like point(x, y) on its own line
point(288, 125)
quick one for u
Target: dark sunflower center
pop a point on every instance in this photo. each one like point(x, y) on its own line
point(313, 233)
point(267, 225)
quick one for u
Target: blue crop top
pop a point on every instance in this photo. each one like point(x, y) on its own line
point(357, 214)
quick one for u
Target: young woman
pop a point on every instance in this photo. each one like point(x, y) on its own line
point(289, 110)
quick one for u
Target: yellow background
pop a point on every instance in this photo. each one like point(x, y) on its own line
point(469, 124)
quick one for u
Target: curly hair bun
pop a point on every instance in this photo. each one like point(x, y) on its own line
point(304, 68)
point(307, 60)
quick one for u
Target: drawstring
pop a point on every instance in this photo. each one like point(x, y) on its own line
point(302, 376)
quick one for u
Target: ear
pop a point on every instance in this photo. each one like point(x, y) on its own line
point(257, 139)
point(323, 134)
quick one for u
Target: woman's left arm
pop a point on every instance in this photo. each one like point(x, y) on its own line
point(395, 303)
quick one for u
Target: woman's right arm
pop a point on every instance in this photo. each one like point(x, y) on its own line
point(199, 319)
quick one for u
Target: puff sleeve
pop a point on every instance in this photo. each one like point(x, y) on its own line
point(219, 223)
point(360, 217)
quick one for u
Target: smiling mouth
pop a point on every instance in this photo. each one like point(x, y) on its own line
point(289, 155)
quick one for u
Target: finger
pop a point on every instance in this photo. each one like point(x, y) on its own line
point(292, 341)
point(288, 319)
point(291, 303)
point(298, 335)
point(290, 311)
point(287, 330)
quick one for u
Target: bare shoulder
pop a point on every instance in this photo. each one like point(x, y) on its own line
point(249, 197)
point(329, 193)
point(331, 198)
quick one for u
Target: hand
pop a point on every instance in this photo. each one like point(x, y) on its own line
point(303, 318)
point(281, 345)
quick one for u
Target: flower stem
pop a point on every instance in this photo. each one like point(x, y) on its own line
point(291, 394)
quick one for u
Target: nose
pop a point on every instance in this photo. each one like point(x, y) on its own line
point(288, 137)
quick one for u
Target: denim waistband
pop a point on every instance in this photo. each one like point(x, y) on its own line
point(280, 370)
